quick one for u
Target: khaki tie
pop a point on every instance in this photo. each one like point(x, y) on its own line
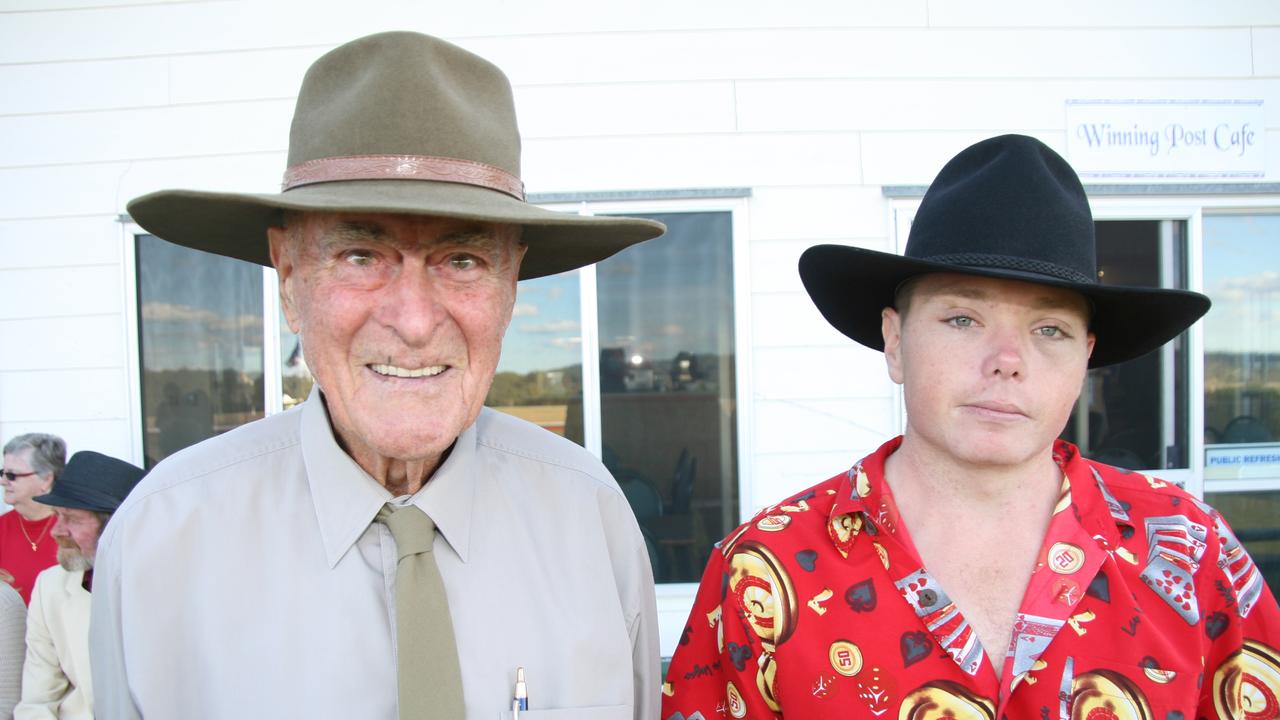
point(428, 677)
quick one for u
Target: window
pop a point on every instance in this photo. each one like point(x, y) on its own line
point(200, 337)
point(667, 387)
point(1242, 380)
point(1242, 347)
point(654, 329)
point(1134, 414)
point(539, 376)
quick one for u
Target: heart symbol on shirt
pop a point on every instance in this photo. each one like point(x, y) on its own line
point(1215, 625)
point(807, 559)
point(915, 647)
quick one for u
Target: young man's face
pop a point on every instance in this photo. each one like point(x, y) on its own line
point(990, 368)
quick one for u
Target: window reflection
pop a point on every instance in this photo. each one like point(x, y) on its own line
point(1242, 346)
point(1134, 414)
point(539, 377)
point(200, 332)
point(668, 411)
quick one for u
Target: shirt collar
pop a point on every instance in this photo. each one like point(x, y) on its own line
point(347, 499)
point(449, 496)
point(1099, 513)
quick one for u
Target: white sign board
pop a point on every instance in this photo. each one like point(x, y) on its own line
point(1166, 138)
point(1242, 461)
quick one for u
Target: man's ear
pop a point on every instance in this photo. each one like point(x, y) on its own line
point(891, 331)
point(282, 259)
point(1092, 339)
point(521, 248)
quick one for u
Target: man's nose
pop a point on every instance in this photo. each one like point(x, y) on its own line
point(59, 529)
point(1007, 354)
point(412, 308)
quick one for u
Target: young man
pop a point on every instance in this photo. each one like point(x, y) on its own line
point(56, 680)
point(977, 567)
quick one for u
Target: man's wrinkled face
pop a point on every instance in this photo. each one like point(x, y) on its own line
point(401, 319)
point(990, 368)
point(25, 484)
point(76, 532)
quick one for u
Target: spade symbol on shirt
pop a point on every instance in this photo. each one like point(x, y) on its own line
point(861, 596)
point(740, 654)
point(915, 647)
point(1100, 588)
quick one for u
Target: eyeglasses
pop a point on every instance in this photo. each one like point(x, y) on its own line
point(11, 475)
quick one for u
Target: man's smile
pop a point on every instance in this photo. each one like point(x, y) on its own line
point(403, 372)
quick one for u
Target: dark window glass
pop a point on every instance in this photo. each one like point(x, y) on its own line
point(1134, 414)
point(539, 377)
point(200, 332)
point(668, 410)
point(1252, 516)
point(1242, 347)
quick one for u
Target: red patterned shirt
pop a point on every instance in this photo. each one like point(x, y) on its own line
point(1143, 605)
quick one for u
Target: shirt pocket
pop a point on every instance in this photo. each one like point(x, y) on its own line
point(1133, 692)
point(599, 712)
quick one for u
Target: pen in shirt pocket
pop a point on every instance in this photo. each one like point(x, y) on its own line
point(520, 701)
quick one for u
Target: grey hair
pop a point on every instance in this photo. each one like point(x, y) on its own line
point(48, 452)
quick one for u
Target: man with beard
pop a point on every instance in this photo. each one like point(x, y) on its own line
point(56, 682)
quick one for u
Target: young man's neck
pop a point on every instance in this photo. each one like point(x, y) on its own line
point(923, 476)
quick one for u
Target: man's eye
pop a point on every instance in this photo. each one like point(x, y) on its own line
point(1051, 331)
point(963, 321)
point(359, 258)
point(462, 262)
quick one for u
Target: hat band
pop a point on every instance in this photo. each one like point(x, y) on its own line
point(403, 167)
point(1006, 262)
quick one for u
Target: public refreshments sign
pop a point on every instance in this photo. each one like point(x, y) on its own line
point(1166, 138)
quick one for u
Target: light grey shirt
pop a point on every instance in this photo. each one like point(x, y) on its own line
point(13, 647)
point(243, 578)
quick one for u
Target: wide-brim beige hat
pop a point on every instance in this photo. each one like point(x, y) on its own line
point(396, 122)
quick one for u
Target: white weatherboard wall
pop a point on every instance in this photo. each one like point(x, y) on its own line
point(814, 106)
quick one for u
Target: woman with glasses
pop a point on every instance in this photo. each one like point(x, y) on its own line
point(31, 462)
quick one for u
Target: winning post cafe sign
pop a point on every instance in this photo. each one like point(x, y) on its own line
point(1166, 138)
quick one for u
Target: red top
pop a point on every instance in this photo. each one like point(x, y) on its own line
point(1143, 606)
point(16, 554)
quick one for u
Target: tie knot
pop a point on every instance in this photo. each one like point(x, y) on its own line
point(413, 530)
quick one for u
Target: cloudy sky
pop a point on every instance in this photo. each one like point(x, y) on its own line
point(1246, 298)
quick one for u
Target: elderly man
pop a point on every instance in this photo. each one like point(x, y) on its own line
point(292, 567)
point(977, 567)
point(31, 463)
point(56, 680)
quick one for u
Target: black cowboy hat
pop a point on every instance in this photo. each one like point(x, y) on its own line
point(92, 481)
point(397, 122)
point(1008, 207)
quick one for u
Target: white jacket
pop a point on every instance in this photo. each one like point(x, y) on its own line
point(56, 682)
